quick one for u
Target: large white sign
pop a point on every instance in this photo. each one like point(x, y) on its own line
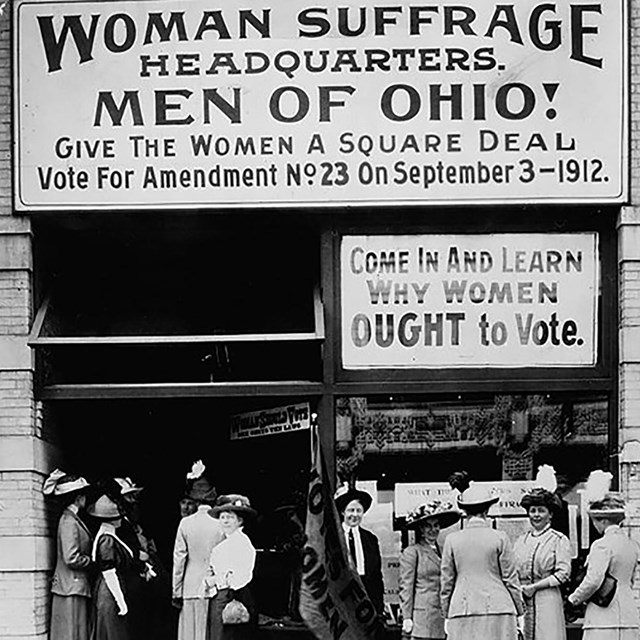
point(178, 104)
point(503, 300)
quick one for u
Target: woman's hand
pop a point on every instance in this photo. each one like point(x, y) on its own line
point(123, 609)
point(407, 625)
point(528, 590)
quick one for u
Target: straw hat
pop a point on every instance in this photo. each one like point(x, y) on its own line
point(104, 508)
point(345, 494)
point(477, 496)
point(443, 512)
point(59, 483)
point(233, 502)
point(127, 486)
point(198, 486)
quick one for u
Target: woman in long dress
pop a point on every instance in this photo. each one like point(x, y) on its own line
point(543, 558)
point(231, 569)
point(420, 571)
point(614, 554)
point(480, 591)
point(117, 568)
point(70, 587)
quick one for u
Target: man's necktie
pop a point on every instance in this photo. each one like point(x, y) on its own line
point(352, 545)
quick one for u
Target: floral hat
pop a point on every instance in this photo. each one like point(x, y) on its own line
point(443, 512)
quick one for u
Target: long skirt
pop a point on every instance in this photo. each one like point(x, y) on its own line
point(490, 626)
point(70, 618)
point(108, 625)
point(602, 633)
point(217, 630)
point(544, 616)
point(193, 619)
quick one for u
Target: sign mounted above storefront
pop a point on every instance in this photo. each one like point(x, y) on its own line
point(503, 300)
point(164, 104)
point(269, 422)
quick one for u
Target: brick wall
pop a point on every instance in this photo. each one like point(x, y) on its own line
point(25, 521)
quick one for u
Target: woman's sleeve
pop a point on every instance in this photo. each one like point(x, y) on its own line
point(407, 579)
point(507, 562)
point(106, 553)
point(562, 569)
point(447, 577)
point(242, 561)
point(597, 565)
point(70, 546)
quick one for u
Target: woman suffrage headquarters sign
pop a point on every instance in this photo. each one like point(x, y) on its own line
point(167, 103)
point(509, 300)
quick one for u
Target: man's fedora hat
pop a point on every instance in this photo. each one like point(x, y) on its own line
point(345, 494)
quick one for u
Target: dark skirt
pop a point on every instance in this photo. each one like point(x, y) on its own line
point(108, 625)
point(70, 617)
point(218, 631)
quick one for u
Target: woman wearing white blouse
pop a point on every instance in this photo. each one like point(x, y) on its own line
point(231, 568)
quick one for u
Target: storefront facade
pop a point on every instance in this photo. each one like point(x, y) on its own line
point(446, 275)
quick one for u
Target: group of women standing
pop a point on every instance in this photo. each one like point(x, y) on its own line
point(477, 585)
point(99, 579)
point(95, 577)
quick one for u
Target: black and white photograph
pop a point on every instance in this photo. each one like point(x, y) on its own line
point(319, 320)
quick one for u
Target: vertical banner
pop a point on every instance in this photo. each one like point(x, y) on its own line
point(333, 602)
point(483, 300)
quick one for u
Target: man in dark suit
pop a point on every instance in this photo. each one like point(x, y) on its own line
point(363, 545)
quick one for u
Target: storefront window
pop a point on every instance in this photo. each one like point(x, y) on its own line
point(404, 449)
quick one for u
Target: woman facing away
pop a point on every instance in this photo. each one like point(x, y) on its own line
point(231, 569)
point(543, 560)
point(420, 571)
point(615, 555)
point(71, 589)
point(480, 591)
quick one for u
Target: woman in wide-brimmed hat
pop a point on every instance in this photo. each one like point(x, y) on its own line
point(70, 588)
point(615, 556)
point(118, 575)
point(362, 544)
point(231, 569)
point(543, 559)
point(480, 592)
point(420, 570)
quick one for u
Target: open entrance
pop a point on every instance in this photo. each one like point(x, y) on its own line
point(155, 442)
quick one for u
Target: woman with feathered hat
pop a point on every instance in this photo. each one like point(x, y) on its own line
point(479, 587)
point(231, 567)
point(420, 570)
point(118, 575)
point(71, 589)
point(543, 558)
point(614, 555)
point(197, 534)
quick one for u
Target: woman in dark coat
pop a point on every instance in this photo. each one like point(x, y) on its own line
point(116, 564)
point(70, 606)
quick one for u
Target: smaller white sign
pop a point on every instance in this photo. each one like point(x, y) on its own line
point(253, 424)
point(412, 494)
